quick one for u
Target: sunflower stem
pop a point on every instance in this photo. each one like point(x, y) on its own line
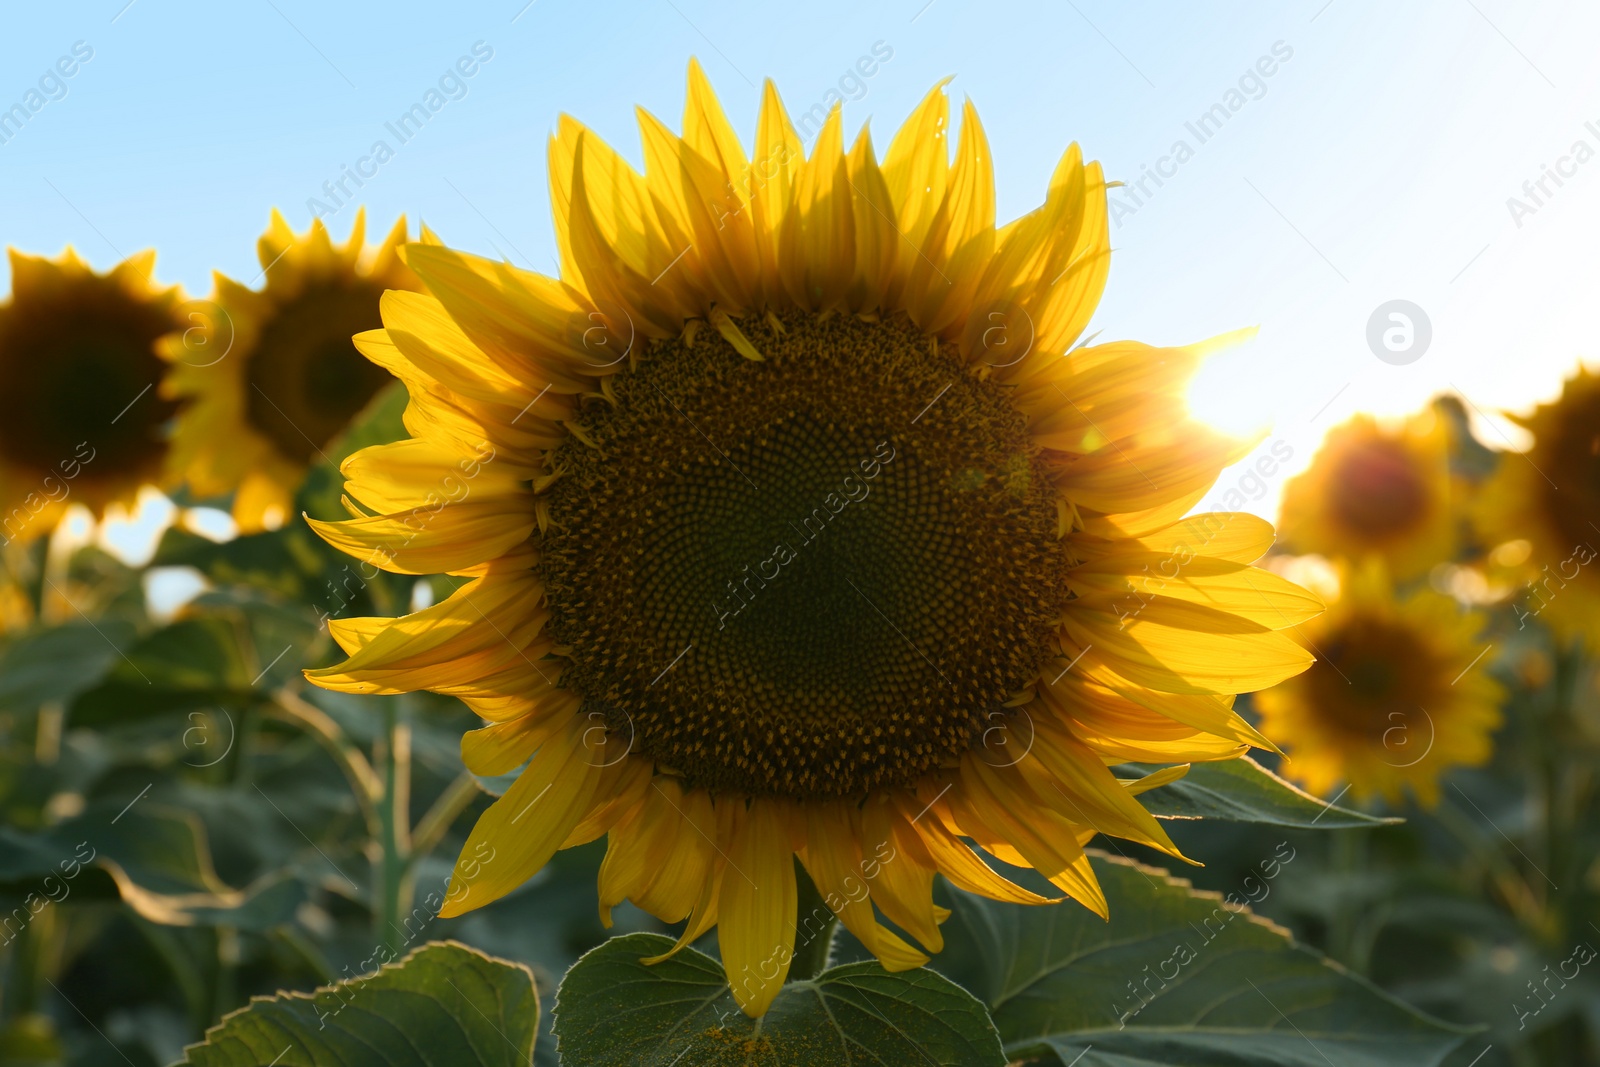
point(394, 825)
point(436, 822)
point(813, 936)
point(291, 708)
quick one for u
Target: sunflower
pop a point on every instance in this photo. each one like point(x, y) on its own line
point(1399, 693)
point(790, 532)
point(271, 374)
point(1378, 492)
point(1542, 508)
point(78, 367)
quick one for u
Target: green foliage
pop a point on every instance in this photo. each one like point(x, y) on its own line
point(59, 662)
point(615, 1011)
point(156, 859)
point(442, 1004)
point(1177, 977)
point(1241, 790)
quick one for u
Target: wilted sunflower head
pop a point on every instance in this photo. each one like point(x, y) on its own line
point(1376, 492)
point(1400, 693)
point(1549, 498)
point(84, 422)
point(792, 530)
point(271, 373)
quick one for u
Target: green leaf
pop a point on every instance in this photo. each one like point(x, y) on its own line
point(193, 663)
point(443, 1004)
point(614, 1011)
point(58, 662)
point(155, 856)
point(1177, 977)
point(1241, 790)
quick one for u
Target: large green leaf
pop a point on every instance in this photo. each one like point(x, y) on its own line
point(58, 662)
point(1241, 790)
point(614, 1011)
point(444, 1004)
point(193, 663)
point(1175, 977)
point(155, 858)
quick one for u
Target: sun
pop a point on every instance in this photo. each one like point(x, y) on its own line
point(1549, 497)
point(78, 369)
point(270, 374)
point(789, 531)
point(1399, 695)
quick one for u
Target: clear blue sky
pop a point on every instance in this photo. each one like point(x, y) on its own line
point(1374, 163)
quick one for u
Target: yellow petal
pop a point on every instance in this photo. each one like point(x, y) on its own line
point(900, 872)
point(522, 830)
point(959, 863)
point(770, 187)
point(1152, 651)
point(504, 746)
point(457, 535)
point(833, 859)
point(818, 246)
point(876, 237)
point(986, 803)
point(917, 169)
point(756, 927)
point(1127, 584)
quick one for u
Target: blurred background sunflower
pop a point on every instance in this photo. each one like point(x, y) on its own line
point(79, 367)
point(1377, 492)
point(270, 376)
point(1542, 509)
point(1392, 702)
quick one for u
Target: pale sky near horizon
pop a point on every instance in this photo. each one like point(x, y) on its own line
point(1377, 162)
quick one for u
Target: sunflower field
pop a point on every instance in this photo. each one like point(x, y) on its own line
point(784, 631)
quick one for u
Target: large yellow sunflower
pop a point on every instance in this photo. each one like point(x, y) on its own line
point(1376, 492)
point(791, 532)
point(271, 374)
point(1549, 498)
point(83, 420)
point(1400, 693)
